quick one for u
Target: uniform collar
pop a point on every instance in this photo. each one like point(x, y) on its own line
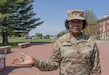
point(80, 38)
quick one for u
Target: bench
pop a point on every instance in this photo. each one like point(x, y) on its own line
point(2, 62)
point(24, 45)
point(5, 49)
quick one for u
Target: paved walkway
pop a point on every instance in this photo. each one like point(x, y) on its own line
point(42, 51)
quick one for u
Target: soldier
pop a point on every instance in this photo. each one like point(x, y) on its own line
point(74, 53)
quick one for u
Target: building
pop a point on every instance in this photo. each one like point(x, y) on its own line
point(102, 28)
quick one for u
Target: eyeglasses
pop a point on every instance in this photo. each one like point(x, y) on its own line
point(75, 22)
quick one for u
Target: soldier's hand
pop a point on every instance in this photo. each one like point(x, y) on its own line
point(24, 60)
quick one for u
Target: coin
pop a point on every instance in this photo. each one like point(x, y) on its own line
point(21, 59)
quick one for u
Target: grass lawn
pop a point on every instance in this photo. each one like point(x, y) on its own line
point(107, 39)
point(14, 42)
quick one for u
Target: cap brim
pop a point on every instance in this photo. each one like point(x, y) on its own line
point(76, 17)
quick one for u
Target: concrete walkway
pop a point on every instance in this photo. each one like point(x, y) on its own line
point(42, 51)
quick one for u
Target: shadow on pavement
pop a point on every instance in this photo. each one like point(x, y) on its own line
point(40, 43)
point(9, 69)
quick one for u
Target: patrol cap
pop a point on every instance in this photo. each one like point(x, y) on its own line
point(75, 14)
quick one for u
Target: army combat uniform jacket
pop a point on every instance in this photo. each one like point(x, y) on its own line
point(73, 56)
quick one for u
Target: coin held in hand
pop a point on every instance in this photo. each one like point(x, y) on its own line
point(21, 59)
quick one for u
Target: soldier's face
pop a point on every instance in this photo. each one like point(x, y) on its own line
point(75, 26)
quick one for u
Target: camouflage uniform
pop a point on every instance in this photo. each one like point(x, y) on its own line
point(73, 56)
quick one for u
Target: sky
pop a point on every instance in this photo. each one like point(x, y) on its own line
point(54, 13)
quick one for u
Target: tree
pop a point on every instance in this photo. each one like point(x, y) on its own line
point(25, 16)
point(47, 36)
point(17, 16)
point(91, 20)
point(61, 33)
point(39, 35)
point(6, 10)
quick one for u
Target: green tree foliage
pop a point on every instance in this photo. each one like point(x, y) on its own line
point(91, 20)
point(25, 17)
point(39, 35)
point(61, 33)
point(16, 16)
point(47, 36)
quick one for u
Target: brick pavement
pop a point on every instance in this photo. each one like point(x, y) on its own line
point(104, 57)
point(42, 51)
